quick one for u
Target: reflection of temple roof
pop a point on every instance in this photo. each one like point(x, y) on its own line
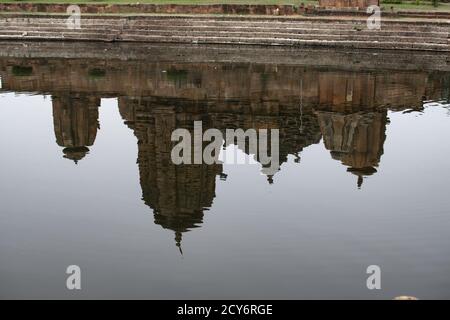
point(351, 116)
point(361, 173)
point(355, 139)
point(179, 194)
point(75, 120)
point(75, 153)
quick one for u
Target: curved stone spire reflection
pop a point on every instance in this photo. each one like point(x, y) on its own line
point(355, 139)
point(178, 194)
point(75, 120)
point(298, 127)
point(353, 118)
point(346, 106)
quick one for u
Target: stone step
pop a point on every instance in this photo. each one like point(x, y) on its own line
point(54, 36)
point(289, 32)
point(59, 27)
point(311, 36)
point(214, 23)
point(229, 40)
point(292, 42)
point(55, 33)
point(211, 30)
point(286, 23)
point(300, 30)
point(248, 35)
point(290, 24)
point(219, 18)
point(235, 41)
point(39, 24)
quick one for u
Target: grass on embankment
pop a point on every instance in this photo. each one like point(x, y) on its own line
point(190, 2)
point(414, 5)
point(404, 5)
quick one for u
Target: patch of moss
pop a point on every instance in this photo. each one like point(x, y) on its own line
point(178, 77)
point(96, 73)
point(22, 71)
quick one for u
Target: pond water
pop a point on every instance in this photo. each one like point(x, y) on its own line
point(86, 179)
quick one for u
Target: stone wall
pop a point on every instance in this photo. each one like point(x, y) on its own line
point(338, 7)
point(330, 58)
point(348, 3)
point(157, 8)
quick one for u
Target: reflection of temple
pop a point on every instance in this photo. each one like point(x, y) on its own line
point(355, 139)
point(75, 120)
point(352, 125)
point(348, 108)
point(178, 194)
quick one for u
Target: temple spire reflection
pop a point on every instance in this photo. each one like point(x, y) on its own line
point(178, 194)
point(355, 139)
point(347, 108)
point(75, 120)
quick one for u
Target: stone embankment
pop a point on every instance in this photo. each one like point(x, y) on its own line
point(339, 32)
point(324, 57)
point(326, 7)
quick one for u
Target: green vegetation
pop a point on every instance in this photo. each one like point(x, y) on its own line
point(96, 73)
point(177, 77)
point(22, 71)
point(428, 5)
point(199, 2)
point(393, 2)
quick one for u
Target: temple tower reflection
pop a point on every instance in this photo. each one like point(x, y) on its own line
point(75, 120)
point(347, 105)
point(352, 123)
point(355, 139)
point(178, 194)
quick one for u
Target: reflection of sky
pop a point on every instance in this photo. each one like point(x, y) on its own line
point(437, 104)
point(233, 155)
point(311, 234)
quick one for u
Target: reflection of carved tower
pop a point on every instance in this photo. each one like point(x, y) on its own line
point(75, 120)
point(178, 194)
point(346, 92)
point(298, 126)
point(354, 92)
point(355, 139)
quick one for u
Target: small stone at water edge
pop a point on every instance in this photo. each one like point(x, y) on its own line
point(405, 298)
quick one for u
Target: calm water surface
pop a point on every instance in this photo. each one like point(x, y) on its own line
point(86, 179)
